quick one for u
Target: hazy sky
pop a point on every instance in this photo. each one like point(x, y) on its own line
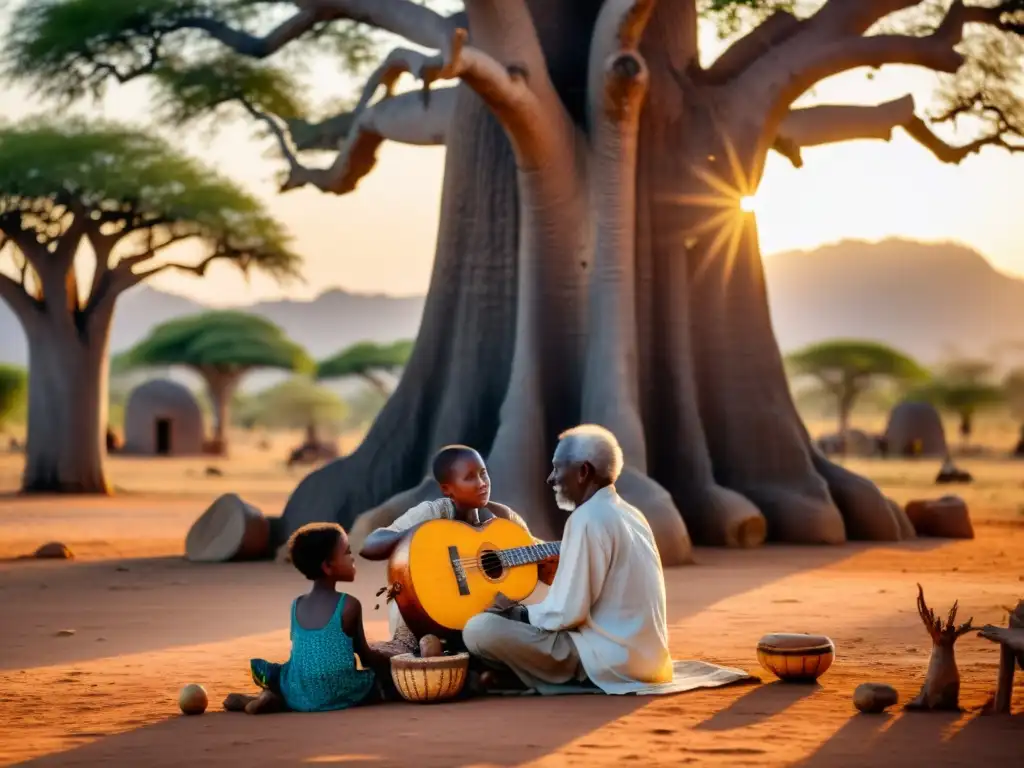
point(381, 237)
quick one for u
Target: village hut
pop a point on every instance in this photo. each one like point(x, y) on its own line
point(915, 429)
point(162, 418)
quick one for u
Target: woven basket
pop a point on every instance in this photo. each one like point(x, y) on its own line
point(430, 679)
point(796, 658)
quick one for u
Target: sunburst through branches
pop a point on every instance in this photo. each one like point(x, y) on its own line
point(730, 201)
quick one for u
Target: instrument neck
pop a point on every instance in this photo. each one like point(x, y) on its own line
point(534, 553)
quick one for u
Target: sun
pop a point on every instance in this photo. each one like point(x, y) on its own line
point(748, 203)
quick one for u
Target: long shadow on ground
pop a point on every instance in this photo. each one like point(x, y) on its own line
point(917, 738)
point(491, 732)
point(226, 601)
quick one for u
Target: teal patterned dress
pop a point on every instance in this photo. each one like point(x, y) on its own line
point(321, 674)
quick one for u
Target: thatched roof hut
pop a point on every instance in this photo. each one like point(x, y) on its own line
point(915, 429)
point(162, 418)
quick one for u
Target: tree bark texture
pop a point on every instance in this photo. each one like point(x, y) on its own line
point(607, 277)
point(67, 404)
point(221, 385)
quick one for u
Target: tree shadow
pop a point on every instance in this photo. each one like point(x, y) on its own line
point(759, 704)
point(495, 732)
point(921, 738)
point(224, 601)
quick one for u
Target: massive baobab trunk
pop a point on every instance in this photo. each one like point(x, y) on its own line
point(67, 404)
point(593, 264)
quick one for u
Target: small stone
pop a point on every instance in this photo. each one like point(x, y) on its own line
point(65, 632)
point(122, 569)
point(54, 550)
point(873, 698)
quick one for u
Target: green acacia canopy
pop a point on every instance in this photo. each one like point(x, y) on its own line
point(127, 179)
point(361, 358)
point(56, 44)
point(833, 362)
point(297, 402)
point(13, 388)
point(204, 53)
point(222, 341)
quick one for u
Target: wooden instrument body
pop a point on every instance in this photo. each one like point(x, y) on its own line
point(445, 572)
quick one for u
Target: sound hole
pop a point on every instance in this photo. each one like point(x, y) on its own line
point(490, 564)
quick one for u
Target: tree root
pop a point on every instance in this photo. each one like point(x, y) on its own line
point(867, 513)
point(941, 689)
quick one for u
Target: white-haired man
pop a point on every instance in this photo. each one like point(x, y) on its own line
point(603, 620)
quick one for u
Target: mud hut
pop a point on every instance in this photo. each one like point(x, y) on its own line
point(162, 418)
point(915, 429)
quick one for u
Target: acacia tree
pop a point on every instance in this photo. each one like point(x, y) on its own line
point(72, 187)
point(222, 347)
point(846, 368)
point(13, 386)
point(962, 388)
point(592, 261)
point(366, 359)
point(298, 402)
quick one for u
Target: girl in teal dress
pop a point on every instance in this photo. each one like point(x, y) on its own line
point(326, 634)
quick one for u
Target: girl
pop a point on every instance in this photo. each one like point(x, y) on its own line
point(326, 635)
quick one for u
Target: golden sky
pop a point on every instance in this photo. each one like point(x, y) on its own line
point(381, 237)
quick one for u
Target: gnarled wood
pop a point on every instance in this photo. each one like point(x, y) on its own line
point(941, 690)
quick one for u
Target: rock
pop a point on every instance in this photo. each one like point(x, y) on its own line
point(65, 632)
point(873, 698)
point(213, 472)
point(943, 518)
point(54, 550)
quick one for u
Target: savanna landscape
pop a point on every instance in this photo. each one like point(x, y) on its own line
point(610, 176)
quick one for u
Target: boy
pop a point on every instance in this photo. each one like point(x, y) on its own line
point(462, 475)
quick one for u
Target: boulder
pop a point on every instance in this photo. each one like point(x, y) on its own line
point(943, 518)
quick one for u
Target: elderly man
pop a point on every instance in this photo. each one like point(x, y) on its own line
point(603, 620)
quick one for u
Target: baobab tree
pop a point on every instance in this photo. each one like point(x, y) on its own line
point(593, 261)
point(68, 188)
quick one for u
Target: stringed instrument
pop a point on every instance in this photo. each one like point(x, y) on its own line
point(445, 572)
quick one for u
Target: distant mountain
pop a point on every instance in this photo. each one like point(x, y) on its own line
point(927, 299)
point(923, 298)
point(325, 325)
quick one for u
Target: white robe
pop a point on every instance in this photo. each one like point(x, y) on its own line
point(609, 595)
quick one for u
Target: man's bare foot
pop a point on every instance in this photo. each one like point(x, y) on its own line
point(264, 704)
point(236, 702)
